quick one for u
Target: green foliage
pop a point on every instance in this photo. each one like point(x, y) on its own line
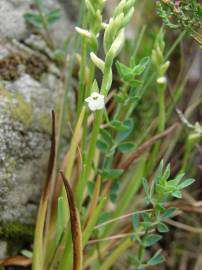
point(156, 259)
point(151, 239)
point(185, 15)
point(128, 74)
point(43, 19)
point(36, 19)
point(110, 149)
point(161, 190)
point(126, 147)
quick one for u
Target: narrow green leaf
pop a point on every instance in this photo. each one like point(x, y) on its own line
point(122, 69)
point(33, 19)
point(177, 194)
point(135, 221)
point(106, 136)
point(179, 177)
point(134, 83)
point(166, 173)
point(186, 183)
point(162, 228)
point(122, 135)
point(118, 125)
point(156, 259)
point(151, 239)
point(102, 145)
point(53, 16)
point(59, 219)
point(126, 147)
point(139, 69)
point(168, 213)
point(40, 4)
point(26, 253)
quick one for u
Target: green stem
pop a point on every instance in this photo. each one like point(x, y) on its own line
point(161, 96)
point(87, 167)
point(82, 76)
point(116, 254)
point(128, 195)
point(85, 122)
point(49, 39)
point(175, 44)
point(161, 125)
point(98, 115)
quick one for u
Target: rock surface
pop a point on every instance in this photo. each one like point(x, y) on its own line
point(11, 17)
point(30, 88)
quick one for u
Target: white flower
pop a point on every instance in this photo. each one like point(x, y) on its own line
point(162, 80)
point(95, 101)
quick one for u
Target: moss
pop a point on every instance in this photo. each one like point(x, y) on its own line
point(4, 92)
point(16, 231)
point(17, 107)
point(34, 65)
point(10, 165)
point(22, 111)
point(16, 235)
point(45, 122)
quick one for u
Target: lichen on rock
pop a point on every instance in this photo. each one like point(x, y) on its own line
point(30, 87)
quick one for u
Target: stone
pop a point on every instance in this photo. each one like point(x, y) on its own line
point(30, 87)
point(25, 120)
point(12, 21)
point(3, 249)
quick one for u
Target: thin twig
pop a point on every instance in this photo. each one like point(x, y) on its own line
point(184, 226)
point(114, 237)
point(140, 151)
point(121, 218)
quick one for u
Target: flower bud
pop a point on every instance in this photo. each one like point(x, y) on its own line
point(111, 31)
point(117, 44)
point(165, 67)
point(83, 32)
point(97, 61)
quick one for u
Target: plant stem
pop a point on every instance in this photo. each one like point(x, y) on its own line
point(161, 96)
point(175, 44)
point(116, 254)
point(82, 76)
point(98, 115)
point(161, 125)
point(49, 39)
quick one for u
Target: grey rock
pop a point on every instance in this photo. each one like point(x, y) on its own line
point(64, 26)
point(25, 121)
point(25, 111)
point(3, 249)
point(11, 17)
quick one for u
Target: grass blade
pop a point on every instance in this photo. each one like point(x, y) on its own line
point(75, 227)
point(93, 220)
point(37, 261)
point(94, 200)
